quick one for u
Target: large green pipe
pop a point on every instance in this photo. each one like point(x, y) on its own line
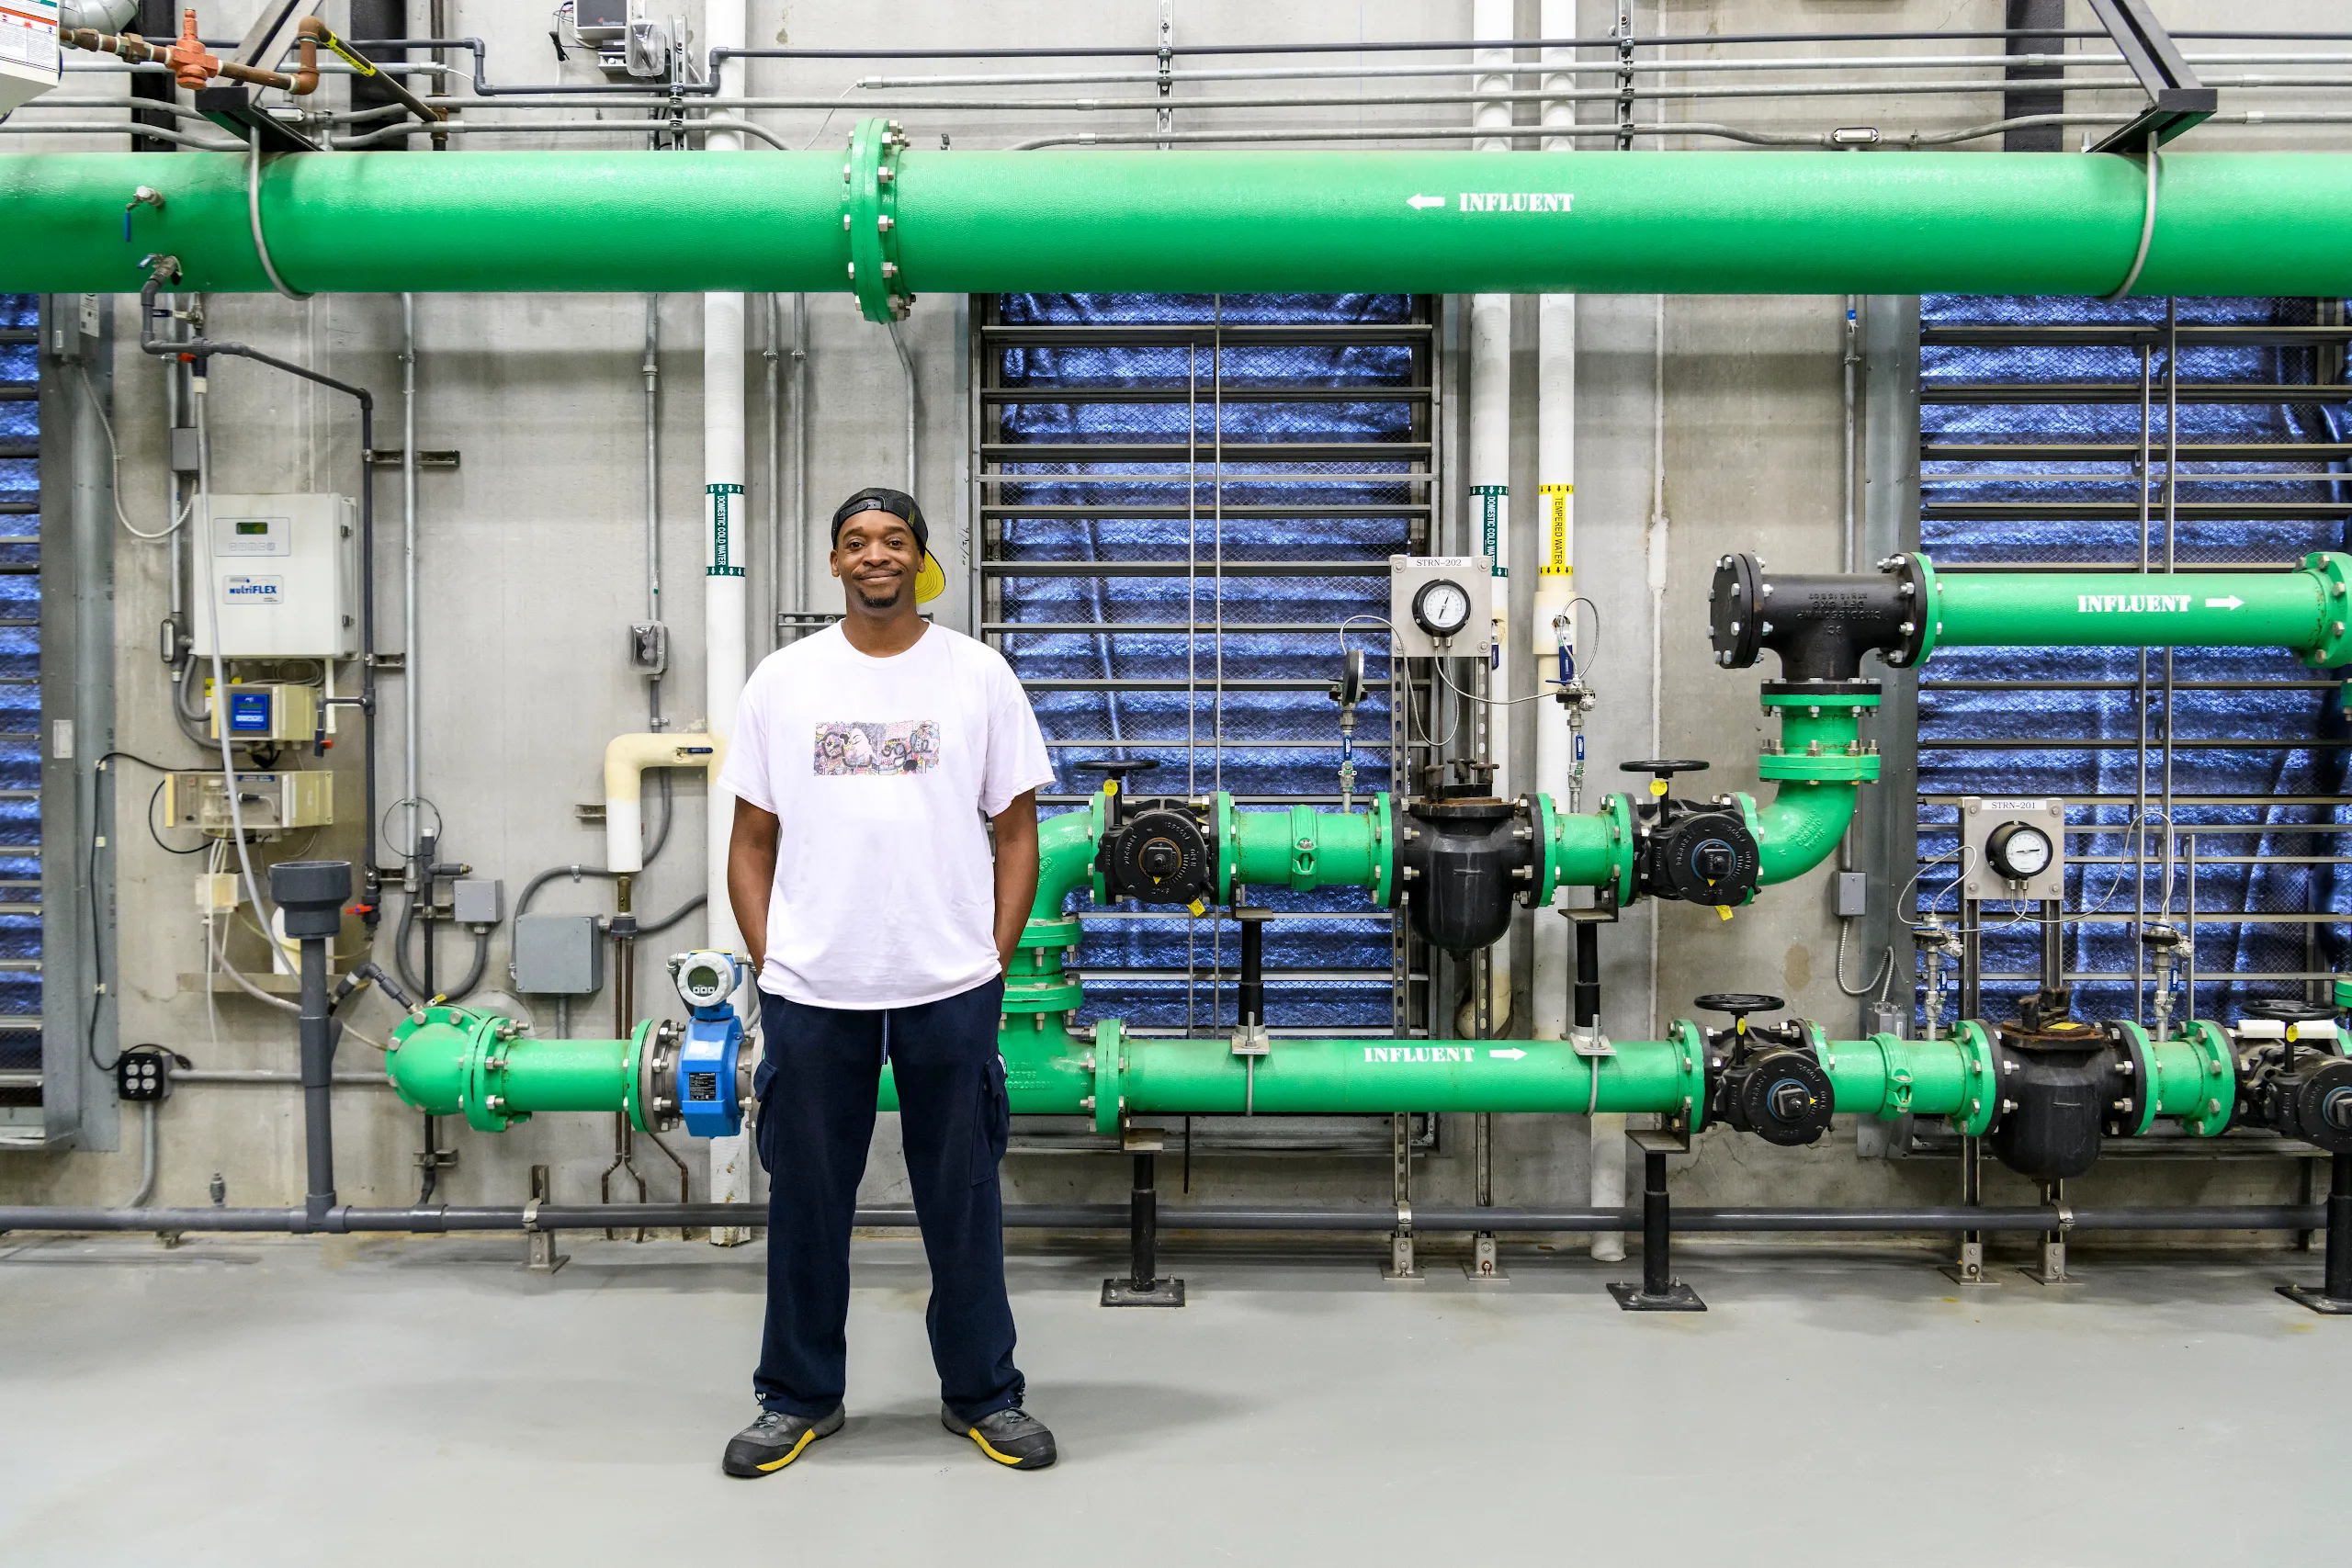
point(1680, 222)
point(2303, 611)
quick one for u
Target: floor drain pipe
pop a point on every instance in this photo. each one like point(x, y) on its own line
point(727, 525)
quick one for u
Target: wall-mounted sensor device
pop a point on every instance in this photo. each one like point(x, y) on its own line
point(2013, 848)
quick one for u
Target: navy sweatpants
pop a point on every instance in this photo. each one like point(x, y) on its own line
point(820, 1071)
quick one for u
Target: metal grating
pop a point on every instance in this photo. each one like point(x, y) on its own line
point(1183, 503)
point(2190, 432)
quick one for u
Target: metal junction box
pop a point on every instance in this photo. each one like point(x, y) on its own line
point(282, 577)
point(1410, 576)
point(559, 956)
point(2013, 848)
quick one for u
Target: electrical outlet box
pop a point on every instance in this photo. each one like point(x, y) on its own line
point(478, 901)
point(28, 61)
point(267, 803)
point(185, 458)
point(1852, 895)
point(560, 955)
point(1409, 577)
point(258, 714)
point(281, 577)
point(142, 1074)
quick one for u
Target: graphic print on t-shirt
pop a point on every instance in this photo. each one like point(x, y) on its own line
point(849, 747)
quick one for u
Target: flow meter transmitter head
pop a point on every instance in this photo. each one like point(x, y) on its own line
point(707, 980)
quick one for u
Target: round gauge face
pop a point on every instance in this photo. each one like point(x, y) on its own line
point(2018, 851)
point(1441, 607)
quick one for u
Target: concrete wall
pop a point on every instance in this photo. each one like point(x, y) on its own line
point(533, 564)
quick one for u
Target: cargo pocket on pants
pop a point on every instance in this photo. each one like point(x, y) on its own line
point(993, 1129)
point(763, 1126)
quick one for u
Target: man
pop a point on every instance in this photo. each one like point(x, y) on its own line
point(863, 759)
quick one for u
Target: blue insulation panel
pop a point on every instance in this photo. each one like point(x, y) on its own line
point(1237, 701)
point(20, 935)
point(2281, 726)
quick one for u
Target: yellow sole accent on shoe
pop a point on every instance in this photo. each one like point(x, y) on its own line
point(974, 1433)
point(806, 1438)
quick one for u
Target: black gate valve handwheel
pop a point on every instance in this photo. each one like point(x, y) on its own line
point(1114, 772)
point(1662, 771)
point(2283, 1010)
point(1739, 1004)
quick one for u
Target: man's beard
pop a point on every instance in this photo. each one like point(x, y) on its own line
point(887, 601)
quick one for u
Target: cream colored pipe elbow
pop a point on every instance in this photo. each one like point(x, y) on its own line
point(626, 759)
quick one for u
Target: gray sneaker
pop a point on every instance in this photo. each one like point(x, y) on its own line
point(775, 1439)
point(1012, 1437)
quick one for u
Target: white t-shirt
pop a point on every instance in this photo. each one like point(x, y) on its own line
point(880, 772)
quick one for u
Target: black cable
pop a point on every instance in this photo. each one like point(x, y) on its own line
point(158, 837)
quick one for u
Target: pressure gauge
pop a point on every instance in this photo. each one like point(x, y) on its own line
point(2019, 850)
point(1441, 608)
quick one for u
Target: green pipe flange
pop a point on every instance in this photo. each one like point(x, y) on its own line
point(1819, 700)
point(2144, 1064)
point(1686, 1037)
point(634, 1076)
point(2335, 644)
point(1384, 836)
point(1975, 1118)
point(1618, 809)
point(1228, 849)
point(2344, 991)
point(1110, 1045)
point(1059, 994)
point(1063, 931)
point(1830, 767)
point(870, 219)
point(1547, 869)
point(1098, 813)
point(2218, 1064)
point(1930, 610)
point(478, 1096)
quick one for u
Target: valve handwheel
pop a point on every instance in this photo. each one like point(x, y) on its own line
point(1739, 1004)
point(1114, 772)
point(1662, 770)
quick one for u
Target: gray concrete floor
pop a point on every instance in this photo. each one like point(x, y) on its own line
point(361, 1402)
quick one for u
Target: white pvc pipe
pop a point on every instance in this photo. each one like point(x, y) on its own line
point(1491, 442)
point(726, 526)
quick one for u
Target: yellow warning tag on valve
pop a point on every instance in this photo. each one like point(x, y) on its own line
point(1111, 785)
point(1657, 786)
point(1198, 908)
point(1725, 910)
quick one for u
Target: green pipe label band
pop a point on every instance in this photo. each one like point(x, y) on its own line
point(1491, 499)
point(722, 543)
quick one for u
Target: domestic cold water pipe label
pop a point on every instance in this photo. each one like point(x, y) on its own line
point(722, 533)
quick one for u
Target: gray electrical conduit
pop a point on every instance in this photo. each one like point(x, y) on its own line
point(2020, 1220)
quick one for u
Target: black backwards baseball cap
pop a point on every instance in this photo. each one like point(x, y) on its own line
point(930, 581)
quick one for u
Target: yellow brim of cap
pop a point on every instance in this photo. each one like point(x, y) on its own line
point(929, 583)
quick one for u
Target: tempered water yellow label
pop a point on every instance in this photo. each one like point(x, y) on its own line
point(1556, 529)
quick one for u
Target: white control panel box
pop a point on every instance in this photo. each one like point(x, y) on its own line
point(281, 577)
point(28, 59)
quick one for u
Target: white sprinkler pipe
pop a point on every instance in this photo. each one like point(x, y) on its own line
point(626, 757)
point(1556, 587)
point(1490, 441)
point(726, 551)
